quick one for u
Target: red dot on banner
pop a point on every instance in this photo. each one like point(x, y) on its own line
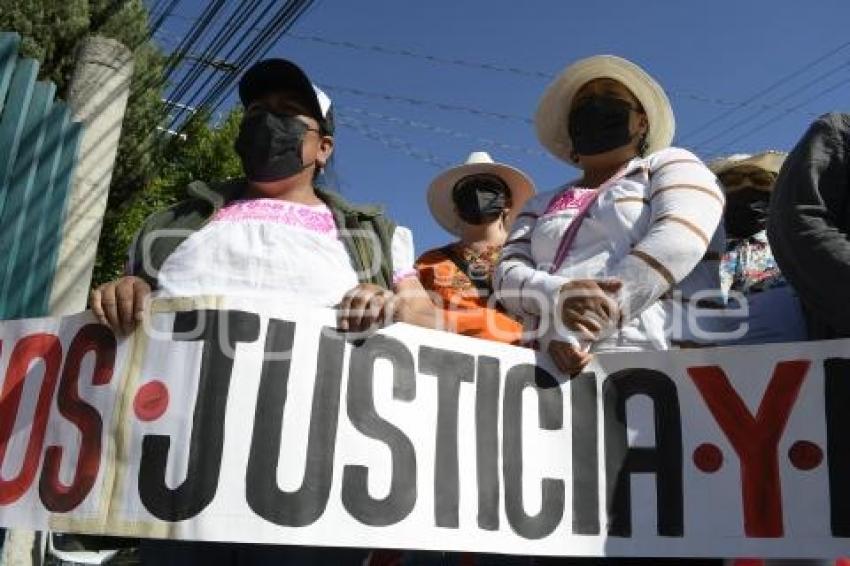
point(708, 458)
point(805, 455)
point(151, 401)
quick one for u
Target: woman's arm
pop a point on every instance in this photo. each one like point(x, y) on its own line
point(462, 313)
point(366, 307)
point(686, 207)
point(523, 289)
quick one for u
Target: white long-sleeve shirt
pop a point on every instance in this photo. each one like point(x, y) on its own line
point(649, 229)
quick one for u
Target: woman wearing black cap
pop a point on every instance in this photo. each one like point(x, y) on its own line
point(272, 234)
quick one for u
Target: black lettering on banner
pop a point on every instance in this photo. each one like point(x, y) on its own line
point(664, 460)
point(304, 506)
point(585, 462)
point(450, 368)
point(551, 417)
point(207, 439)
point(401, 498)
point(837, 401)
point(487, 441)
point(55, 494)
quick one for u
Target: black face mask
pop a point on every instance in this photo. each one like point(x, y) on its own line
point(600, 124)
point(746, 212)
point(269, 146)
point(480, 198)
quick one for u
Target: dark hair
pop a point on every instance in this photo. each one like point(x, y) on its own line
point(643, 145)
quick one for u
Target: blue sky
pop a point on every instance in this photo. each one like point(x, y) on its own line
point(710, 56)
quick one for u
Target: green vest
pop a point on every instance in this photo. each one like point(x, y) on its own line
point(364, 230)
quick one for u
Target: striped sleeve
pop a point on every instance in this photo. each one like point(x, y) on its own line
point(520, 286)
point(686, 207)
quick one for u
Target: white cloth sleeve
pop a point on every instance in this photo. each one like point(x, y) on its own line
point(521, 287)
point(403, 254)
point(686, 206)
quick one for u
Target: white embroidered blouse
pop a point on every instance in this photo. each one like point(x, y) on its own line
point(273, 248)
point(648, 229)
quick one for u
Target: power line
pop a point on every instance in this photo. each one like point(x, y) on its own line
point(422, 102)
point(789, 96)
point(215, 38)
point(417, 124)
point(384, 50)
point(392, 142)
point(213, 52)
point(532, 73)
point(488, 66)
point(285, 18)
point(773, 86)
point(158, 15)
point(210, 52)
point(772, 121)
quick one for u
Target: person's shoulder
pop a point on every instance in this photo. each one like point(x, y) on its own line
point(431, 257)
point(540, 201)
point(334, 200)
point(834, 120)
point(200, 201)
point(833, 124)
point(670, 155)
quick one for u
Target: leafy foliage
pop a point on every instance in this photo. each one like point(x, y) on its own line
point(206, 153)
point(148, 174)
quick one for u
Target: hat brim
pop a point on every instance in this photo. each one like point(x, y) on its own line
point(552, 117)
point(440, 192)
point(770, 161)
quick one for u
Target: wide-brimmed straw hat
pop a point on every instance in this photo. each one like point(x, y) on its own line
point(479, 162)
point(553, 111)
point(770, 161)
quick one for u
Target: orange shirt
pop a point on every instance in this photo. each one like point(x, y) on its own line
point(465, 311)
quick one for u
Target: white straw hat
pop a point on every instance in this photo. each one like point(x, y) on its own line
point(440, 192)
point(770, 161)
point(553, 111)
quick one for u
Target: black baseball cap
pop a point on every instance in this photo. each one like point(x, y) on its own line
point(270, 75)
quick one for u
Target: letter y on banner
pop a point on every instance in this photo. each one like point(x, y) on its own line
point(755, 439)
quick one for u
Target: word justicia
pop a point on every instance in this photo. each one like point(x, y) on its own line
point(347, 378)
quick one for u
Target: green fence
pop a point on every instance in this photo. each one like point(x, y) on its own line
point(38, 151)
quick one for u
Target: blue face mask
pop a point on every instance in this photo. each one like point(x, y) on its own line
point(600, 124)
point(270, 144)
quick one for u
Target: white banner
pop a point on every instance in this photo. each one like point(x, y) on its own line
point(236, 420)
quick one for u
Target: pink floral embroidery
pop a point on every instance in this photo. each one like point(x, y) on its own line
point(573, 198)
point(313, 218)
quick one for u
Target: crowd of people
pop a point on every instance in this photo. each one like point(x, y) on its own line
point(648, 249)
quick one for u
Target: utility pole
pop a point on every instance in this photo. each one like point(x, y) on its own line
point(98, 97)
